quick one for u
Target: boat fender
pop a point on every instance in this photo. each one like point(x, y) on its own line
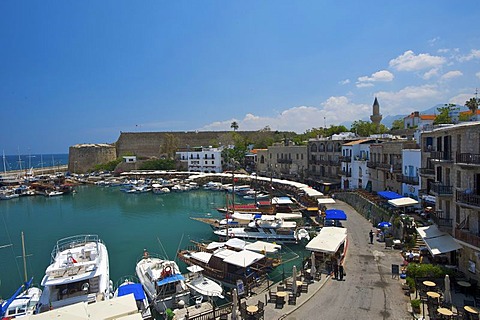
point(232, 235)
point(166, 271)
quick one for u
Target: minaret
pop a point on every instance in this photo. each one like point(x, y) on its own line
point(376, 117)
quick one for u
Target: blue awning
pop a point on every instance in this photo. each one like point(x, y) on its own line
point(170, 279)
point(389, 195)
point(135, 288)
point(335, 214)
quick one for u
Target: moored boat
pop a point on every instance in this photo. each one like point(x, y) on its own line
point(78, 272)
point(201, 285)
point(131, 285)
point(21, 304)
point(163, 283)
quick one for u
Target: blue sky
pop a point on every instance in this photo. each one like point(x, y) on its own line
point(83, 71)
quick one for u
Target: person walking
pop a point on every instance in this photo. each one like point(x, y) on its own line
point(341, 271)
point(370, 234)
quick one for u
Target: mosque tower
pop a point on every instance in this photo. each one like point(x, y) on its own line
point(376, 117)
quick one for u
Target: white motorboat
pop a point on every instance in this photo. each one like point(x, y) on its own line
point(268, 228)
point(130, 285)
point(8, 194)
point(53, 193)
point(159, 189)
point(163, 283)
point(23, 304)
point(201, 285)
point(78, 272)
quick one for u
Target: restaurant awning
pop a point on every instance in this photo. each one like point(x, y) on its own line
point(437, 242)
point(389, 195)
point(328, 240)
point(312, 192)
point(335, 214)
point(403, 202)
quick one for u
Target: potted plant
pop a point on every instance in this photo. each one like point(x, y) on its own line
point(415, 305)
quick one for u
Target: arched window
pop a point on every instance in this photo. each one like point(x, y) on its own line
point(262, 159)
point(313, 148)
point(338, 148)
point(322, 147)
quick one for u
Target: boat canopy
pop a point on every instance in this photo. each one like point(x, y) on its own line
point(202, 256)
point(328, 240)
point(135, 288)
point(194, 268)
point(325, 200)
point(312, 192)
point(403, 202)
point(282, 200)
point(262, 246)
point(170, 279)
point(335, 214)
point(244, 258)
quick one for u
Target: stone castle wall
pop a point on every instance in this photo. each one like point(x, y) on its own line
point(83, 157)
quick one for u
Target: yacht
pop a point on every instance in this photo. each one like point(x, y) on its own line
point(268, 228)
point(78, 272)
point(21, 304)
point(162, 281)
point(202, 286)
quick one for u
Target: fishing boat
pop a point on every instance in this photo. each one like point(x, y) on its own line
point(53, 193)
point(21, 303)
point(201, 285)
point(228, 264)
point(268, 228)
point(7, 194)
point(163, 283)
point(78, 272)
point(131, 285)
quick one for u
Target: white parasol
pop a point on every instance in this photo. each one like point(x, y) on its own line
point(234, 304)
point(294, 280)
point(447, 295)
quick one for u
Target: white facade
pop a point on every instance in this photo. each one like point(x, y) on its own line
point(202, 159)
point(411, 162)
point(355, 173)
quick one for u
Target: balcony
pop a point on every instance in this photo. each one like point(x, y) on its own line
point(468, 198)
point(347, 174)
point(427, 171)
point(390, 167)
point(443, 156)
point(443, 223)
point(345, 159)
point(440, 189)
point(287, 161)
point(468, 158)
point(466, 236)
point(414, 181)
point(372, 164)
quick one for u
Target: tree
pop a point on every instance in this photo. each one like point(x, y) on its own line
point(234, 126)
point(398, 124)
point(365, 128)
point(444, 116)
point(170, 145)
point(472, 105)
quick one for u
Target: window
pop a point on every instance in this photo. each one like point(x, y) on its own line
point(313, 148)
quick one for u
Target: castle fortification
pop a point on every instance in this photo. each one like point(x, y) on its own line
point(83, 157)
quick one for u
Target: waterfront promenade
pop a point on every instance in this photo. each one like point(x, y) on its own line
point(368, 291)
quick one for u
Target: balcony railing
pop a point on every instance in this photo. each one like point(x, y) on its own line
point(466, 236)
point(346, 173)
point(287, 161)
point(408, 180)
point(390, 167)
point(468, 198)
point(441, 189)
point(468, 158)
point(427, 171)
point(372, 164)
point(441, 221)
point(345, 158)
point(441, 156)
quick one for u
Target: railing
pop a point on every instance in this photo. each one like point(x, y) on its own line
point(287, 161)
point(427, 171)
point(391, 167)
point(467, 237)
point(441, 221)
point(441, 189)
point(371, 164)
point(441, 155)
point(346, 173)
point(468, 198)
point(215, 313)
point(468, 158)
point(345, 158)
point(408, 180)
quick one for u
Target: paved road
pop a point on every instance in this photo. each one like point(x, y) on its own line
point(368, 291)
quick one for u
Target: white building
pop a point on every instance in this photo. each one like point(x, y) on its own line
point(355, 155)
point(202, 159)
point(411, 162)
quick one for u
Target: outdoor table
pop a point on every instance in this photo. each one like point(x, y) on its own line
point(471, 309)
point(299, 283)
point(445, 312)
point(429, 283)
point(464, 285)
point(433, 294)
point(252, 309)
point(281, 294)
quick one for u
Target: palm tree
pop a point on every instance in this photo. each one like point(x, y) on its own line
point(234, 125)
point(472, 104)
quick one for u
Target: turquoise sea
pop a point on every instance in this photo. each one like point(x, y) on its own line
point(127, 223)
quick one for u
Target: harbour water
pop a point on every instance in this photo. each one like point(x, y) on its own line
point(127, 223)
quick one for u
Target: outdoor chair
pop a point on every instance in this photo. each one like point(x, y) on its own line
point(292, 299)
point(280, 288)
point(318, 276)
point(243, 313)
point(279, 302)
point(272, 297)
point(243, 305)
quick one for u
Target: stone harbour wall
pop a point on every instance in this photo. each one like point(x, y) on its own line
point(83, 157)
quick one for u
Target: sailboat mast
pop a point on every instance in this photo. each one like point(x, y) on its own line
point(4, 163)
point(24, 259)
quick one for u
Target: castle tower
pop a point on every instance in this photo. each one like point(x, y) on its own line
point(376, 117)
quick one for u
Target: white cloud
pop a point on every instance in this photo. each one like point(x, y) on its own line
point(451, 74)
point(460, 99)
point(433, 41)
point(333, 111)
point(379, 76)
point(408, 61)
point(474, 54)
point(430, 73)
point(477, 74)
point(408, 98)
point(346, 81)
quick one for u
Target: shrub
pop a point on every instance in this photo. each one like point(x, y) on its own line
point(424, 270)
point(411, 284)
point(415, 304)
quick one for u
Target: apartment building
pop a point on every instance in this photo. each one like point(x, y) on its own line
point(451, 174)
point(283, 161)
point(201, 159)
point(354, 171)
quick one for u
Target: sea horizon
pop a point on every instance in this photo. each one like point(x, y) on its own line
point(35, 161)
